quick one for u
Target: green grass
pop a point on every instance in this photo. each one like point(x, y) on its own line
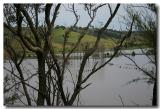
point(58, 39)
point(58, 36)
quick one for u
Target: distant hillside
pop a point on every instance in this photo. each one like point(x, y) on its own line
point(88, 40)
point(108, 33)
point(108, 40)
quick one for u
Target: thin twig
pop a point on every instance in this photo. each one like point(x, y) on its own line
point(121, 100)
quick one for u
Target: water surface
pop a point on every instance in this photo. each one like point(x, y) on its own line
point(108, 83)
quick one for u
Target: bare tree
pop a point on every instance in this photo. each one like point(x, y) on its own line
point(51, 81)
point(78, 84)
point(36, 45)
point(146, 23)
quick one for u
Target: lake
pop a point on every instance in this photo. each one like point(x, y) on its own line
point(108, 84)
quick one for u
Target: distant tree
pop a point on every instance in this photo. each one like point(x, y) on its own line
point(57, 26)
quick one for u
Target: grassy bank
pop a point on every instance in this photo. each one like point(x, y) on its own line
point(86, 43)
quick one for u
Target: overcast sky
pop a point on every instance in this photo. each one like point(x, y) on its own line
point(67, 18)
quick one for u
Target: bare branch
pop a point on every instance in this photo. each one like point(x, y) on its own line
point(151, 60)
point(88, 53)
point(115, 52)
point(86, 86)
point(110, 9)
point(23, 56)
point(30, 22)
point(47, 14)
point(20, 81)
point(86, 78)
point(55, 14)
point(79, 39)
point(96, 8)
point(145, 72)
point(25, 42)
point(121, 100)
point(72, 78)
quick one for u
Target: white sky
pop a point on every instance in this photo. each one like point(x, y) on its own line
point(67, 18)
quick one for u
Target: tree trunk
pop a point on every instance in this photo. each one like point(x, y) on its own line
point(42, 79)
point(154, 100)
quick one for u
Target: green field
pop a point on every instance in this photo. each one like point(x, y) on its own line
point(58, 39)
point(87, 41)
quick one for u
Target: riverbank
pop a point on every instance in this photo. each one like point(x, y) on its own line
point(97, 55)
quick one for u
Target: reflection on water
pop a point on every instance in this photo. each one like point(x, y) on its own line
point(108, 83)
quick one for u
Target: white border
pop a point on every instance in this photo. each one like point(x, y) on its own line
point(55, 1)
point(80, 1)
